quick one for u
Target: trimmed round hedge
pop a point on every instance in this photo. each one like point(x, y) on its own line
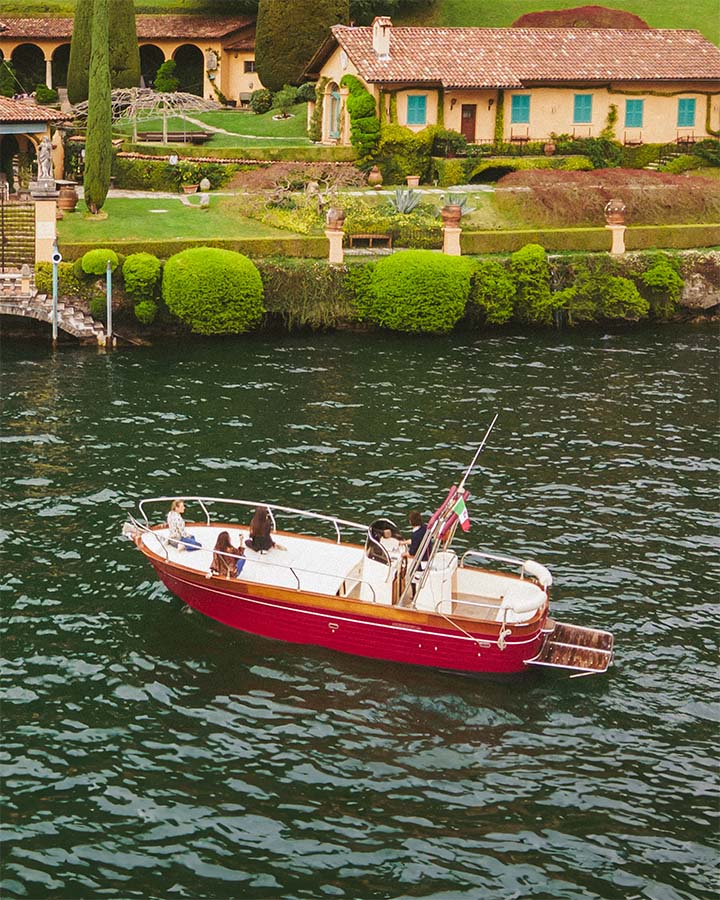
point(213, 291)
point(418, 291)
point(141, 273)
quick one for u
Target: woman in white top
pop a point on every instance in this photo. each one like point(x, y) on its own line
point(177, 533)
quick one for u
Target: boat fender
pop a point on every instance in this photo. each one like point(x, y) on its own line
point(538, 571)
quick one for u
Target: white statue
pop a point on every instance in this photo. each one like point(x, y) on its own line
point(45, 166)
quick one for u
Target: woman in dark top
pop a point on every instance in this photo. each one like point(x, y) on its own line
point(419, 529)
point(260, 529)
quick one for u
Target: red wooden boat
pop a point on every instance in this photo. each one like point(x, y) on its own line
point(359, 597)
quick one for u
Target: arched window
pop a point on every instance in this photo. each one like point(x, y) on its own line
point(29, 63)
point(151, 58)
point(190, 69)
point(60, 60)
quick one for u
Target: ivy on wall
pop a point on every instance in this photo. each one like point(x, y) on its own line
point(500, 118)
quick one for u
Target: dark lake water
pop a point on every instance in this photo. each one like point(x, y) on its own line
point(150, 753)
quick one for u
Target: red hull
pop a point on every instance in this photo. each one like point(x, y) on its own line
point(355, 633)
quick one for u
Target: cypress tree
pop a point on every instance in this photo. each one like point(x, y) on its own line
point(77, 75)
point(98, 143)
point(288, 33)
point(124, 49)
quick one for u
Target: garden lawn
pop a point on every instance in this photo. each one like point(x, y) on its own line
point(133, 219)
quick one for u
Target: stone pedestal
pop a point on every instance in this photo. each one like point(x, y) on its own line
point(618, 239)
point(451, 240)
point(45, 197)
point(336, 255)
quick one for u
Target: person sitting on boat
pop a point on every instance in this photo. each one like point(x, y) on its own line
point(177, 533)
point(260, 537)
point(227, 560)
point(419, 530)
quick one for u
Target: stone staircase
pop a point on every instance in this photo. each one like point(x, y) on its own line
point(667, 153)
point(16, 302)
point(17, 233)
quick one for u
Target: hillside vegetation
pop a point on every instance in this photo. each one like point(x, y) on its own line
point(701, 15)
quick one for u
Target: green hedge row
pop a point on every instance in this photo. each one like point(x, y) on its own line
point(458, 170)
point(311, 247)
point(267, 154)
point(592, 240)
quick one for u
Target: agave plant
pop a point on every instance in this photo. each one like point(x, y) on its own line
point(405, 201)
point(460, 200)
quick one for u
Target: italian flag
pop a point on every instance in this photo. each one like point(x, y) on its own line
point(461, 512)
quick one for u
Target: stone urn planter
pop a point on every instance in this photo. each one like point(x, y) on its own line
point(413, 181)
point(615, 212)
point(190, 188)
point(335, 218)
point(451, 215)
point(549, 148)
point(67, 197)
point(375, 178)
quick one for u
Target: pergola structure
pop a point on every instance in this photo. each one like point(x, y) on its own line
point(141, 104)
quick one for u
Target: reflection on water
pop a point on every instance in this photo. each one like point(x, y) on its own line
point(151, 753)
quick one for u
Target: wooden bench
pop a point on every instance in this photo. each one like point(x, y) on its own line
point(520, 135)
point(176, 137)
point(370, 240)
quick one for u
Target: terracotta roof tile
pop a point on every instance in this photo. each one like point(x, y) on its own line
point(513, 57)
point(148, 27)
point(24, 111)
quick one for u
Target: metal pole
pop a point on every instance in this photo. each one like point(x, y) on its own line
point(461, 486)
point(108, 293)
point(55, 260)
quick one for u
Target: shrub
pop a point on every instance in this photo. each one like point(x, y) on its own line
point(145, 311)
point(306, 92)
point(603, 152)
point(364, 123)
point(708, 151)
point(446, 142)
point(213, 291)
point(98, 307)
point(530, 269)
point(94, 262)
point(493, 291)
point(419, 291)
point(305, 293)
point(683, 163)
point(141, 273)
point(596, 295)
point(165, 80)
point(401, 152)
point(261, 101)
point(284, 100)
point(663, 286)
point(44, 94)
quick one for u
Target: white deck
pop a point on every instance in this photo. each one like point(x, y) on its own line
point(311, 565)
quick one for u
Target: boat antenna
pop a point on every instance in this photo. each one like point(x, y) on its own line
point(469, 469)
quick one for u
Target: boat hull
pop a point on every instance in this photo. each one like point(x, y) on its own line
point(353, 631)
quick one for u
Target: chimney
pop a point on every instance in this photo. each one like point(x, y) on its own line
point(381, 36)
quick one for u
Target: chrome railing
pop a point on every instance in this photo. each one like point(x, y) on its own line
point(273, 508)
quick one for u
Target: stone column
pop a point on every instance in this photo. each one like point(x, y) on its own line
point(615, 218)
point(618, 239)
point(45, 196)
point(451, 240)
point(48, 73)
point(451, 215)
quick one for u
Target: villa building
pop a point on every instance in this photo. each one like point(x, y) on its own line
point(214, 56)
point(524, 84)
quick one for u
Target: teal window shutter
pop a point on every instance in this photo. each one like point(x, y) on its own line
point(520, 109)
point(634, 113)
point(582, 114)
point(417, 109)
point(686, 112)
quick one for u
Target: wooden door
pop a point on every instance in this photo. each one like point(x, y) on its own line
point(467, 122)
